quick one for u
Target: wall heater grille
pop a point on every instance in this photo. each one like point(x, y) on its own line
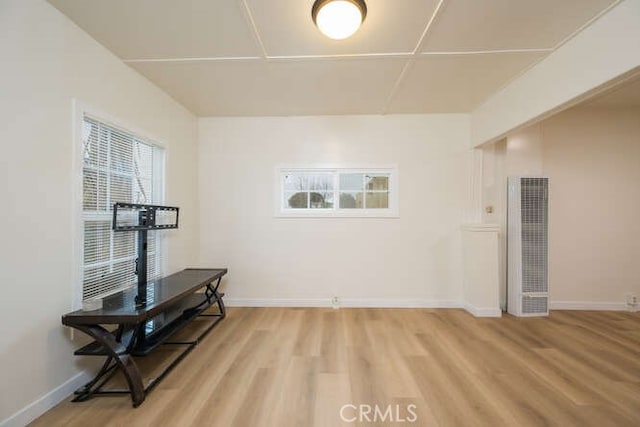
point(534, 305)
point(527, 241)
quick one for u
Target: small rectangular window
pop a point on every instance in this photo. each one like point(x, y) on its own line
point(341, 192)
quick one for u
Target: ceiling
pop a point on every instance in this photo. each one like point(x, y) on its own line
point(266, 57)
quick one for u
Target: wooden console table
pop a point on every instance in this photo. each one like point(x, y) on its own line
point(172, 302)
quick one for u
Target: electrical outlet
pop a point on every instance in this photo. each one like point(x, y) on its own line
point(632, 300)
point(335, 302)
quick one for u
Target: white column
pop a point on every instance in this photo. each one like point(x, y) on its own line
point(481, 283)
point(474, 208)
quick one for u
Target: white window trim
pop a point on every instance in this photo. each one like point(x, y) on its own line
point(78, 110)
point(394, 192)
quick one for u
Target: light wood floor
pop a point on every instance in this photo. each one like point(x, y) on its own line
point(298, 367)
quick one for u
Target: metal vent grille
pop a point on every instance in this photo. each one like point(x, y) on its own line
point(534, 200)
point(534, 305)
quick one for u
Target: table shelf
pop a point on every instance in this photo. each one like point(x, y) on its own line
point(175, 302)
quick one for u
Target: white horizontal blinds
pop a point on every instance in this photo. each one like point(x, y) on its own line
point(118, 166)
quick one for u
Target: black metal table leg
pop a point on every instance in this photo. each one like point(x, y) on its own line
point(213, 295)
point(118, 353)
point(87, 390)
point(218, 299)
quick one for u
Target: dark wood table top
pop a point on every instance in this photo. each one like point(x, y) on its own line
point(120, 308)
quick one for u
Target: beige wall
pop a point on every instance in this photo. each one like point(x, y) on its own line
point(592, 157)
point(47, 61)
point(415, 259)
point(593, 160)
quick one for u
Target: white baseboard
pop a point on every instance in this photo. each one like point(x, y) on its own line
point(398, 303)
point(483, 311)
point(589, 305)
point(344, 302)
point(277, 302)
point(362, 303)
point(38, 407)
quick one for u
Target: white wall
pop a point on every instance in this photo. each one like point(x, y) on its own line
point(47, 61)
point(592, 157)
point(415, 259)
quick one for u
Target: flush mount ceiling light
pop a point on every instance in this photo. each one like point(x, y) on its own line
point(338, 19)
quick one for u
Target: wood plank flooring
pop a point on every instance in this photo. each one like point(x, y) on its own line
point(300, 366)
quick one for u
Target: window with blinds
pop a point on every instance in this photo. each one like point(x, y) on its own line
point(118, 166)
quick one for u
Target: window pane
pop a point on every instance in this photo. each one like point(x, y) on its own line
point(143, 159)
point(378, 200)
point(166, 217)
point(351, 200)
point(120, 189)
point(121, 147)
point(377, 182)
point(90, 188)
point(102, 192)
point(322, 182)
point(104, 140)
point(351, 181)
point(297, 200)
point(90, 142)
point(321, 200)
point(97, 241)
point(296, 182)
point(124, 244)
point(142, 193)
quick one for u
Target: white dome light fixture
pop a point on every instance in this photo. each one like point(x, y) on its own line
point(338, 19)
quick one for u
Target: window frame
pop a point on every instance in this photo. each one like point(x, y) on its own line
point(79, 110)
point(392, 211)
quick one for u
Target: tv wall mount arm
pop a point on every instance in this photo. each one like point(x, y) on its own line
point(143, 218)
